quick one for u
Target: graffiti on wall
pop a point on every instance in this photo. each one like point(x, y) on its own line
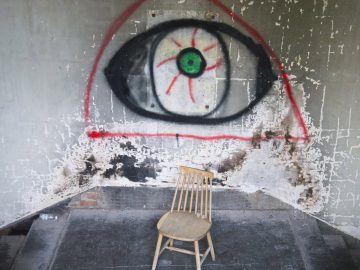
point(181, 56)
point(180, 71)
point(182, 79)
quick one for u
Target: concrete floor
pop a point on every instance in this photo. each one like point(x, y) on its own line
point(111, 239)
point(114, 236)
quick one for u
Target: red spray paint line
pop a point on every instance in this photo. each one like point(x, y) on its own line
point(208, 48)
point(101, 135)
point(172, 84)
point(218, 64)
point(177, 43)
point(252, 31)
point(193, 41)
point(173, 58)
point(190, 81)
point(119, 21)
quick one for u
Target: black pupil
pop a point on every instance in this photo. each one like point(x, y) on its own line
point(190, 62)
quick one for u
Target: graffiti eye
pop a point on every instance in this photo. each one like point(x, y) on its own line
point(184, 67)
point(182, 71)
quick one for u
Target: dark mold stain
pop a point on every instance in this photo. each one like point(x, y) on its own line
point(292, 148)
point(91, 159)
point(177, 139)
point(300, 180)
point(273, 134)
point(276, 144)
point(218, 182)
point(119, 164)
point(303, 179)
point(83, 180)
point(90, 170)
point(309, 193)
point(233, 162)
point(269, 134)
point(288, 136)
point(66, 171)
point(225, 146)
point(127, 146)
point(256, 140)
point(305, 195)
point(129, 167)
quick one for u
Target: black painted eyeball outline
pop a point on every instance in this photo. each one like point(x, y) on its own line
point(120, 67)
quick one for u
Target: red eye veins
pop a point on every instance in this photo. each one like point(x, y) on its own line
point(173, 58)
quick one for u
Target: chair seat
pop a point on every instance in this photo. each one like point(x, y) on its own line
point(183, 226)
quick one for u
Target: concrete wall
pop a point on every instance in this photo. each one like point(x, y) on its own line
point(49, 47)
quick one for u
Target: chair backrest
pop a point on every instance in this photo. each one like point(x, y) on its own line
point(194, 188)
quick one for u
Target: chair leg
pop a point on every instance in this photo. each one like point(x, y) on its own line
point(212, 251)
point(197, 255)
point(171, 242)
point(157, 251)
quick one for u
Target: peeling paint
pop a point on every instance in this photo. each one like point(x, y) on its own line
point(54, 159)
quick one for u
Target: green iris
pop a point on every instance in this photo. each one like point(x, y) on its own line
point(191, 63)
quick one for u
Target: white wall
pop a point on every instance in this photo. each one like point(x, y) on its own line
point(47, 51)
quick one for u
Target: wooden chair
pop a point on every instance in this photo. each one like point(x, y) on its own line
point(190, 216)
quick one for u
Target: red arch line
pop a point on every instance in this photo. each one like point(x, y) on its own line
point(122, 18)
point(285, 77)
point(114, 27)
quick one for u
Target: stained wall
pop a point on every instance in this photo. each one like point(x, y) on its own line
point(52, 149)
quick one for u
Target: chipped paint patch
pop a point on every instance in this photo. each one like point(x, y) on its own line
point(282, 168)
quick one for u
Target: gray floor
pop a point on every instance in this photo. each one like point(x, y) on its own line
point(256, 233)
point(109, 239)
point(9, 248)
